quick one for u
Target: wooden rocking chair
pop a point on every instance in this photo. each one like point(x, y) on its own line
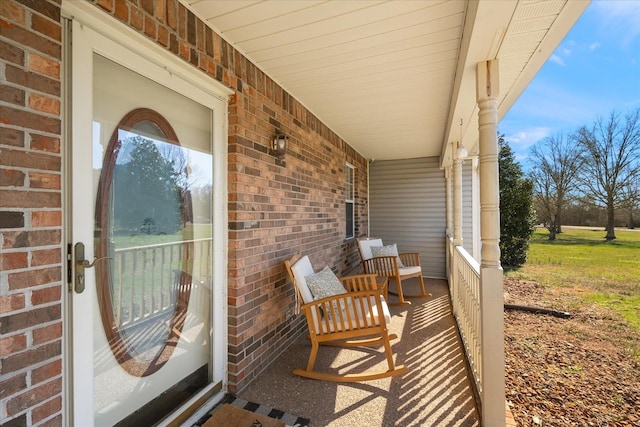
point(357, 318)
point(387, 266)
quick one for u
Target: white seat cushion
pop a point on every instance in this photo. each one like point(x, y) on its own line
point(405, 271)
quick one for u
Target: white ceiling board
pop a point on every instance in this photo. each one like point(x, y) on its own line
point(392, 78)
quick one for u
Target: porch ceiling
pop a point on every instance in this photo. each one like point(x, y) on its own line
point(394, 79)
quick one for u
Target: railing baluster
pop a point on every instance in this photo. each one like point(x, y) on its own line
point(117, 262)
point(134, 263)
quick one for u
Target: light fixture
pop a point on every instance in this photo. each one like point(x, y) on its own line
point(279, 145)
point(461, 152)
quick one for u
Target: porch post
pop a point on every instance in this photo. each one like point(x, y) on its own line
point(457, 198)
point(447, 201)
point(491, 286)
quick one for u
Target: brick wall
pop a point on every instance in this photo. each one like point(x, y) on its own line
point(276, 207)
point(31, 283)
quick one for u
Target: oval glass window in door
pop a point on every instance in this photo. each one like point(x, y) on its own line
point(145, 251)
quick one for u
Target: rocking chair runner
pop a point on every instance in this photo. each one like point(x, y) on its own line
point(357, 318)
point(390, 267)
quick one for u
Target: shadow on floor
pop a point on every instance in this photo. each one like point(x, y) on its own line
point(435, 392)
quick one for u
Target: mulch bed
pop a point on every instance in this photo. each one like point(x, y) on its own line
point(581, 371)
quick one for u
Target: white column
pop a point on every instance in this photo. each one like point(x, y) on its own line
point(491, 287)
point(447, 201)
point(449, 231)
point(457, 198)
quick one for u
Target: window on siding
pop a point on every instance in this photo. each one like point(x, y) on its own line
point(349, 204)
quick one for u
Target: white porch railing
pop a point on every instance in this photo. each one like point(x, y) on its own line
point(465, 292)
point(471, 309)
point(147, 279)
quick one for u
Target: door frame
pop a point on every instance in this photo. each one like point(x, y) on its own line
point(109, 35)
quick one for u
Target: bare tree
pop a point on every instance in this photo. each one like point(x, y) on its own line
point(632, 201)
point(556, 165)
point(611, 148)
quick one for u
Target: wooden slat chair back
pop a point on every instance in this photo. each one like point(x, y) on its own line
point(389, 267)
point(362, 322)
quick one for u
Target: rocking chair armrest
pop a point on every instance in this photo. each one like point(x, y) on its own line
point(353, 296)
point(410, 259)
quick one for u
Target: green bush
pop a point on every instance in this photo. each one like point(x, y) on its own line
point(517, 218)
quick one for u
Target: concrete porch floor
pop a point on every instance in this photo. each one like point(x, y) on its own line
point(435, 392)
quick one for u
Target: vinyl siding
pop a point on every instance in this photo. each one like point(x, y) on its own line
point(407, 207)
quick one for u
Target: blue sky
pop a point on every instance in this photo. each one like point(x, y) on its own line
point(594, 70)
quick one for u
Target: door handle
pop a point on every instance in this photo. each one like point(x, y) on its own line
point(81, 264)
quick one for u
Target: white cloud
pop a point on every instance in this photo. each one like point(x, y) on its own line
point(557, 59)
point(521, 141)
point(621, 17)
point(593, 46)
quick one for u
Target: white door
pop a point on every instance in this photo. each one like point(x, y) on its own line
point(148, 237)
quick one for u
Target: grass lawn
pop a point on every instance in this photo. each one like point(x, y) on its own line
point(581, 260)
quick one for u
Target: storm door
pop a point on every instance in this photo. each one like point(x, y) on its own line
point(147, 299)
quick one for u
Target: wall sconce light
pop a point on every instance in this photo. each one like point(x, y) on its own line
point(461, 152)
point(279, 145)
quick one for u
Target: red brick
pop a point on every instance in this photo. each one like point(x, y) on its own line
point(48, 333)
point(47, 27)
point(33, 80)
point(45, 143)
point(137, 18)
point(31, 278)
point(13, 12)
point(53, 422)
point(12, 137)
point(29, 120)
point(182, 22)
point(46, 257)
point(172, 14)
point(11, 178)
point(43, 65)
point(34, 396)
point(30, 199)
point(11, 219)
point(12, 344)
point(46, 219)
point(150, 27)
point(122, 11)
point(46, 409)
point(147, 6)
point(50, 10)
point(9, 303)
point(12, 385)
point(13, 260)
point(33, 40)
point(163, 36)
point(44, 104)
point(30, 357)
point(107, 4)
point(12, 95)
point(44, 180)
point(24, 159)
point(160, 8)
point(27, 239)
point(45, 295)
